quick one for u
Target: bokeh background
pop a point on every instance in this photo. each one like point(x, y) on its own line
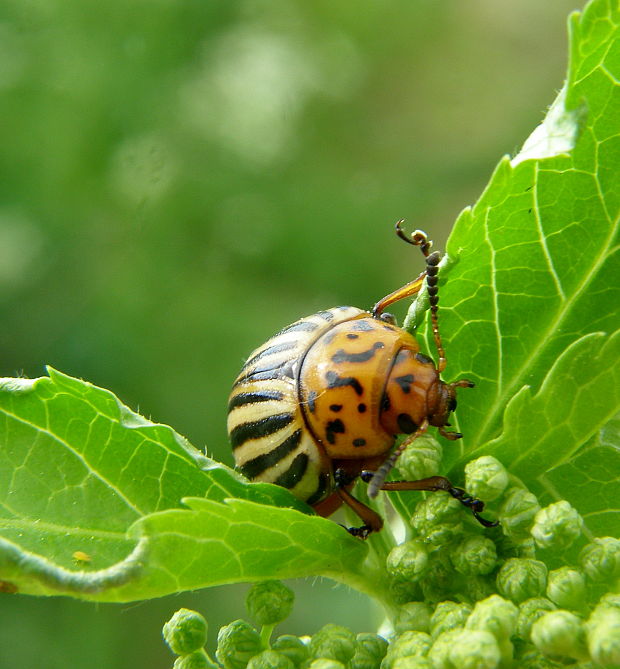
point(181, 179)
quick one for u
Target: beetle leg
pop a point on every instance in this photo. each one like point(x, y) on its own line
point(419, 239)
point(372, 520)
point(409, 289)
point(434, 483)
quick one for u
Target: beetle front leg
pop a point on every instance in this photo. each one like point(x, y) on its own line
point(432, 484)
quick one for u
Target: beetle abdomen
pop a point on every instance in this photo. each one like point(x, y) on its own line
point(267, 430)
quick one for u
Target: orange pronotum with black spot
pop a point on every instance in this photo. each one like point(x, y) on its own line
point(323, 401)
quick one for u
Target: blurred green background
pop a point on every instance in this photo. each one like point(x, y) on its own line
point(180, 180)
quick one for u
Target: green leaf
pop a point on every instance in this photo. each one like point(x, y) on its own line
point(529, 308)
point(80, 472)
point(100, 503)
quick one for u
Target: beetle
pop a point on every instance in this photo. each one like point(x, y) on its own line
point(321, 403)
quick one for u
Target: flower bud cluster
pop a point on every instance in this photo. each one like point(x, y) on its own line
point(240, 645)
point(487, 598)
point(465, 596)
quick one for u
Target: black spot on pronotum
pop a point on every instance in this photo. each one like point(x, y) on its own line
point(333, 428)
point(405, 382)
point(406, 424)
point(359, 442)
point(312, 401)
point(420, 357)
point(342, 355)
point(336, 381)
point(335, 407)
point(326, 315)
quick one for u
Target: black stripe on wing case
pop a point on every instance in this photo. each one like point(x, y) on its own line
point(271, 350)
point(268, 372)
point(256, 466)
point(322, 486)
point(242, 399)
point(294, 473)
point(299, 326)
point(259, 428)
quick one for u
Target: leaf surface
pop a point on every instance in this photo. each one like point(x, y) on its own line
point(81, 473)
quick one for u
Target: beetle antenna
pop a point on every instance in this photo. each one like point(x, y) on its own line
point(419, 238)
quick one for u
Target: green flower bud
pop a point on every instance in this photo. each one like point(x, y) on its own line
point(269, 602)
point(465, 649)
point(534, 659)
point(517, 513)
point(603, 634)
point(196, 660)
point(408, 561)
point(270, 659)
point(439, 653)
point(522, 578)
point(508, 547)
point(486, 478)
point(438, 519)
point(495, 615)
point(237, 643)
point(475, 555)
point(529, 612)
point(601, 559)
point(480, 587)
point(557, 526)
point(566, 587)
point(369, 651)
point(560, 635)
point(438, 583)
point(403, 591)
point(291, 646)
point(610, 599)
point(412, 662)
point(333, 642)
point(408, 644)
point(325, 663)
point(421, 461)
point(413, 617)
point(185, 632)
point(448, 615)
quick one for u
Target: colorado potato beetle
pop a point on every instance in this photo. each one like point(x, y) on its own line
point(323, 401)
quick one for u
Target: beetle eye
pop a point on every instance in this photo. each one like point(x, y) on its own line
point(388, 318)
point(452, 404)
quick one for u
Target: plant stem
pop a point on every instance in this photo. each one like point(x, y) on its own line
point(265, 636)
